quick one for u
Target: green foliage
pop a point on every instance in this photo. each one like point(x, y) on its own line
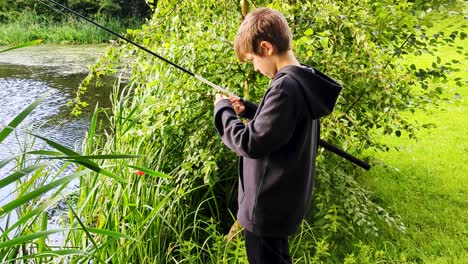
point(9, 9)
point(359, 45)
point(25, 237)
point(29, 25)
point(166, 117)
point(27, 44)
point(23, 21)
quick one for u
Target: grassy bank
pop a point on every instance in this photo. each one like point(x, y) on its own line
point(426, 181)
point(29, 26)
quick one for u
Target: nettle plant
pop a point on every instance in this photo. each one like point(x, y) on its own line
point(358, 43)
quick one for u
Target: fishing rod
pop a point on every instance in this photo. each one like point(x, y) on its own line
point(321, 142)
point(198, 77)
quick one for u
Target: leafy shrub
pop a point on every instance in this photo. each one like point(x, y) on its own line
point(91, 8)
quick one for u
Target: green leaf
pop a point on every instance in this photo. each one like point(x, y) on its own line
point(41, 243)
point(79, 160)
point(309, 32)
point(40, 191)
point(6, 161)
point(93, 166)
point(53, 254)
point(35, 152)
point(30, 237)
point(17, 175)
point(36, 211)
point(110, 233)
point(77, 218)
point(30, 43)
point(90, 157)
point(58, 147)
point(151, 172)
point(92, 127)
point(132, 122)
point(45, 152)
point(19, 118)
point(152, 4)
point(152, 216)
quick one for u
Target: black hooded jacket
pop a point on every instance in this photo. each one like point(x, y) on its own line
point(278, 147)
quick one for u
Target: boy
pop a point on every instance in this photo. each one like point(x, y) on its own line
point(278, 146)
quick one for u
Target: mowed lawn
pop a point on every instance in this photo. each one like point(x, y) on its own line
point(426, 181)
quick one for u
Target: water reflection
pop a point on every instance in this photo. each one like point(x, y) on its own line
point(22, 85)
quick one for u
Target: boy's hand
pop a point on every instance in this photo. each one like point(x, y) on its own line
point(238, 105)
point(234, 232)
point(220, 97)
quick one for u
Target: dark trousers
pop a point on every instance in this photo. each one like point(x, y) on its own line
point(266, 250)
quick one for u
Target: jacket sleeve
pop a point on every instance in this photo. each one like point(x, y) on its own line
point(270, 130)
point(249, 111)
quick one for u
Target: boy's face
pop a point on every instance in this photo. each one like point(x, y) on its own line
point(264, 64)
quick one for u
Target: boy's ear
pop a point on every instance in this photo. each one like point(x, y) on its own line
point(267, 47)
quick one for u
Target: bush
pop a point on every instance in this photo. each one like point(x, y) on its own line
point(91, 8)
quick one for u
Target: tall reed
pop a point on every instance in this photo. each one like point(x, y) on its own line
point(115, 215)
point(172, 218)
point(39, 189)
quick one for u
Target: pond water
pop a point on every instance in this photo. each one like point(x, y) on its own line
point(28, 73)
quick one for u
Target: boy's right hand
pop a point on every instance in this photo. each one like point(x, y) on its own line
point(237, 104)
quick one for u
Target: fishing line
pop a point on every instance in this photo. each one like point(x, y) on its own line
point(321, 142)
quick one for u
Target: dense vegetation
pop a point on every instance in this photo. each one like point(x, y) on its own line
point(9, 9)
point(22, 21)
point(166, 117)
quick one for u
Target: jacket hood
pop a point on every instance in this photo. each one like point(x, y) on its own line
point(320, 91)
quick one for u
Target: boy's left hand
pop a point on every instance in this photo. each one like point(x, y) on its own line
point(220, 97)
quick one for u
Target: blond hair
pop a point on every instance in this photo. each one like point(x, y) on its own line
point(262, 24)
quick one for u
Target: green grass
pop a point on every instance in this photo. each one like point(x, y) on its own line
point(426, 181)
point(28, 26)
